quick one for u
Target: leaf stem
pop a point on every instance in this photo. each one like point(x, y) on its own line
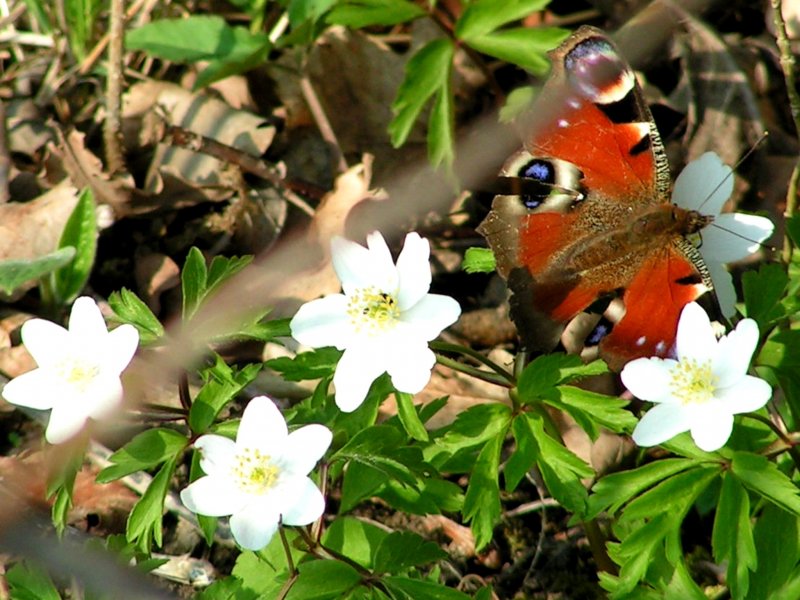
point(474, 354)
point(472, 371)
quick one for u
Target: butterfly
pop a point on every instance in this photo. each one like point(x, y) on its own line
point(590, 225)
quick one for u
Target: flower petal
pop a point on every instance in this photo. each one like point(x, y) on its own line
point(262, 426)
point(734, 236)
point(430, 315)
point(323, 322)
point(749, 394)
point(358, 267)
point(102, 397)
point(723, 287)
point(213, 496)
point(410, 367)
point(695, 339)
point(87, 321)
point(119, 348)
point(357, 369)
point(648, 378)
point(37, 389)
point(254, 525)
point(304, 447)
point(734, 352)
point(65, 422)
point(705, 184)
point(300, 499)
point(217, 454)
point(661, 423)
point(414, 271)
point(711, 434)
point(46, 342)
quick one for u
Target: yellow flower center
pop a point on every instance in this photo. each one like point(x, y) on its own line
point(372, 311)
point(77, 372)
point(254, 471)
point(693, 382)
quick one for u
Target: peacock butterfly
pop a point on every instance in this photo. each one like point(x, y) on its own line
point(604, 234)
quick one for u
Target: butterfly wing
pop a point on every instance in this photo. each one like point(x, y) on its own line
point(601, 154)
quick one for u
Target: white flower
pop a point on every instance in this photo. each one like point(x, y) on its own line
point(702, 390)
point(705, 185)
point(383, 321)
point(261, 479)
point(78, 374)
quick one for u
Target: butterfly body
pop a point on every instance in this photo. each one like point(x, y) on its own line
point(607, 229)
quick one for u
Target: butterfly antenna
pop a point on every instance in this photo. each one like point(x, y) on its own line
point(739, 162)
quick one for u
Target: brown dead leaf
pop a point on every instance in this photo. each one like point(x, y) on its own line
point(198, 113)
point(70, 158)
point(155, 274)
point(716, 95)
point(330, 219)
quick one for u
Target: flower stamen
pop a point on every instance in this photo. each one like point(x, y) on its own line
point(693, 382)
point(372, 311)
point(254, 472)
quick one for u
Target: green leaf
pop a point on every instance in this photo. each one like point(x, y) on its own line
point(248, 50)
point(14, 273)
point(301, 11)
point(379, 447)
point(433, 496)
point(266, 571)
point(60, 483)
point(471, 428)
point(323, 579)
point(561, 470)
point(484, 16)
point(517, 102)
point(545, 372)
point(28, 582)
point(80, 232)
point(198, 37)
point(793, 229)
point(355, 539)
point(673, 496)
point(776, 562)
point(364, 13)
point(683, 586)
point(612, 491)
point(223, 268)
point(409, 417)
point(525, 453)
point(405, 588)
point(593, 409)
point(194, 278)
point(360, 481)
point(482, 501)
point(427, 73)
point(732, 538)
point(521, 46)
point(266, 331)
point(761, 476)
point(222, 384)
point(144, 522)
point(403, 549)
point(130, 309)
point(636, 553)
point(316, 364)
point(479, 260)
point(763, 291)
point(232, 588)
point(441, 128)
point(145, 451)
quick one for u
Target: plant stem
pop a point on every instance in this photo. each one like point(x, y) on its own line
point(787, 64)
point(112, 125)
point(476, 373)
point(456, 349)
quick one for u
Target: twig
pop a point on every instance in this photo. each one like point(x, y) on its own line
point(112, 127)
point(93, 56)
point(5, 157)
point(529, 507)
point(787, 64)
point(323, 124)
point(178, 136)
